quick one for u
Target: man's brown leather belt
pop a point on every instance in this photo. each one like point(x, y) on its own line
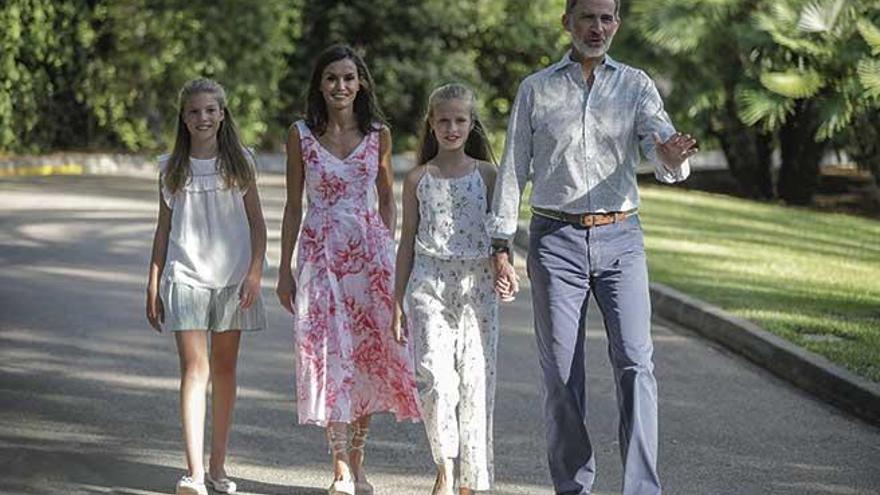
point(585, 219)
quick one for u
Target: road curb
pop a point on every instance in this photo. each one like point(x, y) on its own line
point(804, 369)
point(73, 163)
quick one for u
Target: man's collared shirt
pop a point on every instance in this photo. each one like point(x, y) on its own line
point(579, 145)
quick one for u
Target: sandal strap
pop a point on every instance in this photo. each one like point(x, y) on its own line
point(337, 438)
point(358, 437)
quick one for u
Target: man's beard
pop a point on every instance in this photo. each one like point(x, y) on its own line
point(590, 52)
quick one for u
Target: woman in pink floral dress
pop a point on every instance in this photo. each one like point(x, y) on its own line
point(348, 364)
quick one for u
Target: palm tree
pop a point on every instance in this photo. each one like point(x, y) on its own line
point(701, 47)
point(818, 85)
point(800, 74)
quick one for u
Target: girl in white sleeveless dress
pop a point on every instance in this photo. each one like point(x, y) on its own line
point(205, 271)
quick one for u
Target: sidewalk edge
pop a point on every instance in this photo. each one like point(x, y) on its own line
point(804, 369)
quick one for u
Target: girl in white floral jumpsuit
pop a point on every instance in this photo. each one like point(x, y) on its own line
point(444, 289)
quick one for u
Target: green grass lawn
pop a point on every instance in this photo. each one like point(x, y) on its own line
point(812, 278)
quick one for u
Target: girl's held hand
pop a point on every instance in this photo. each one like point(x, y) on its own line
point(506, 280)
point(249, 291)
point(286, 290)
point(506, 288)
point(398, 325)
point(155, 310)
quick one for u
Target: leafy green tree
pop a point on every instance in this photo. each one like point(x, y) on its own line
point(145, 50)
point(517, 38)
point(819, 84)
point(701, 50)
point(756, 74)
point(410, 48)
point(105, 74)
point(42, 54)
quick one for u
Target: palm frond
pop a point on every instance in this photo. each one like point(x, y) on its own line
point(758, 106)
point(820, 16)
point(705, 102)
point(718, 11)
point(784, 35)
point(869, 75)
point(671, 24)
point(836, 113)
point(784, 13)
point(870, 33)
point(793, 83)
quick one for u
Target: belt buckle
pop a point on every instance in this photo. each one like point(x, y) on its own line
point(587, 220)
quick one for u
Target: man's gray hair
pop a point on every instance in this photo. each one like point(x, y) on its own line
point(569, 5)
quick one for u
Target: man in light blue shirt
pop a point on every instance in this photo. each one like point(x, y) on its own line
point(575, 131)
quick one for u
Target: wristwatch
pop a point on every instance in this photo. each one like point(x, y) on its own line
point(498, 248)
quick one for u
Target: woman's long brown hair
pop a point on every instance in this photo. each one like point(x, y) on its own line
point(367, 112)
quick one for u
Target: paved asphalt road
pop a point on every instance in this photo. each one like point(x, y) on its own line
point(88, 392)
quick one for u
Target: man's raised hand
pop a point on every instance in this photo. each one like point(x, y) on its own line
point(678, 148)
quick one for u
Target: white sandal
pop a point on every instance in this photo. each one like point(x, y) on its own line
point(341, 487)
point(222, 485)
point(188, 486)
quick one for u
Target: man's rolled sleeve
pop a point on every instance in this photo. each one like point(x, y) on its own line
point(515, 167)
point(652, 118)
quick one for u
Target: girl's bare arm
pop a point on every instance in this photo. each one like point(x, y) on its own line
point(257, 225)
point(489, 172)
point(406, 248)
point(155, 311)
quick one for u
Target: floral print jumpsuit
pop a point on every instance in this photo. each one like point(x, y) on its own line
point(452, 313)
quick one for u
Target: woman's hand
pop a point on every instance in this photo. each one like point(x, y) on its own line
point(286, 290)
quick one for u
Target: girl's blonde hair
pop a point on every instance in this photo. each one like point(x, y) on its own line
point(477, 144)
point(234, 166)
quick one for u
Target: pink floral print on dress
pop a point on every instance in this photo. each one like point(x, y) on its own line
point(347, 363)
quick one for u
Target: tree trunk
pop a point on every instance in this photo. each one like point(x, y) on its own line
point(863, 143)
point(748, 154)
point(801, 155)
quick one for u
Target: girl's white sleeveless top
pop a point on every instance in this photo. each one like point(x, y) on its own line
point(209, 244)
point(452, 217)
